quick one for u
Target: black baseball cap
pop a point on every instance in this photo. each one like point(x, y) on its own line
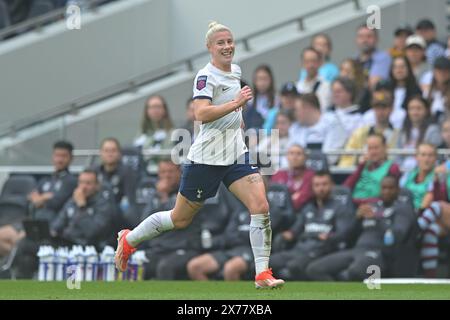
point(407, 30)
point(425, 24)
point(289, 88)
point(442, 63)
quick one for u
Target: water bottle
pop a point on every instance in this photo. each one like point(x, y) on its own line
point(91, 257)
point(109, 269)
point(61, 259)
point(206, 239)
point(140, 258)
point(124, 204)
point(388, 238)
point(43, 261)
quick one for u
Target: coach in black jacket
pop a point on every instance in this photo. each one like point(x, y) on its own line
point(378, 229)
point(53, 192)
point(321, 225)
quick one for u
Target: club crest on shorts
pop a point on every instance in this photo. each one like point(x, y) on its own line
point(201, 82)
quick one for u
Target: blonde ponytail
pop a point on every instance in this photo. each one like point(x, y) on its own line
point(214, 27)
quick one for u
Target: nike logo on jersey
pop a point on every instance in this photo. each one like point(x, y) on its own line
point(224, 89)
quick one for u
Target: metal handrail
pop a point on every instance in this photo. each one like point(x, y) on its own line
point(336, 152)
point(132, 83)
point(91, 153)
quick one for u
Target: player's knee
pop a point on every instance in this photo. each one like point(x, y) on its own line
point(259, 207)
point(196, 268)
point(233, 269)
point(181, 223)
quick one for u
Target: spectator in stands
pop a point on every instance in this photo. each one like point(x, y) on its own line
point(420, 180)
point(288, 94)
point(439, 93)
point(53, 192)
point(426, 29)
point(328, 70)
point(365, 182)
point(278, 142)
point(297, 177)
point(397, 115)
point(113, 174)
point(310, 128)
point(418, 127)
point(376, 63)
point(382, 108)
point(319, 228)
point(85, 219)
point(445, 134)
point(404, 84)
point(353, 70)
point(343, 117)
point(190, 118)
point(415, 52)
point(374, 221)
point(156, 129)
point(230, 252)
point(399, 45)
point(434, 222)
point(169, 253)
point(264, 98)
point(313, 82)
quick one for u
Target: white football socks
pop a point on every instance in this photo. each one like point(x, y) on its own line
point(151, 227)
point(261, 240)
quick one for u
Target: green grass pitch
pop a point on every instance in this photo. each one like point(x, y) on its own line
point(215, 290)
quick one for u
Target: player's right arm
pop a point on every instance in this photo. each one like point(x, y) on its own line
point(206, 112)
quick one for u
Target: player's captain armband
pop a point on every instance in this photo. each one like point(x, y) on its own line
point(201, 82)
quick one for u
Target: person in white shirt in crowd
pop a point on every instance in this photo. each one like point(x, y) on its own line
point(156, 129)
point(439, 93)
point(416, 54)
point(284, 120)
point(328, 70)
point(343, 117)
point(309, 129)
point(403, 82)
point(418, 128)
point(313, 82)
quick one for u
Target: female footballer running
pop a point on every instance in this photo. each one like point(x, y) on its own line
point(218, 154)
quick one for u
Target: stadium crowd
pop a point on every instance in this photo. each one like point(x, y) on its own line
point(392, 211)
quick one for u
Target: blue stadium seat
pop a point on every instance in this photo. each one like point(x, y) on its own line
point(5, 21)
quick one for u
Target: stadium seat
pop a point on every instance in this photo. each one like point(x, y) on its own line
point(281, 209)
point(16, 190)
point(317, 161)
point(216, 211)
point(132, 156)
point(406, 196)
point(12, 212)
point(342, 194)
point(5, 21)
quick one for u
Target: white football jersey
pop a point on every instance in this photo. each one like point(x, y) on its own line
point(219, 142)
